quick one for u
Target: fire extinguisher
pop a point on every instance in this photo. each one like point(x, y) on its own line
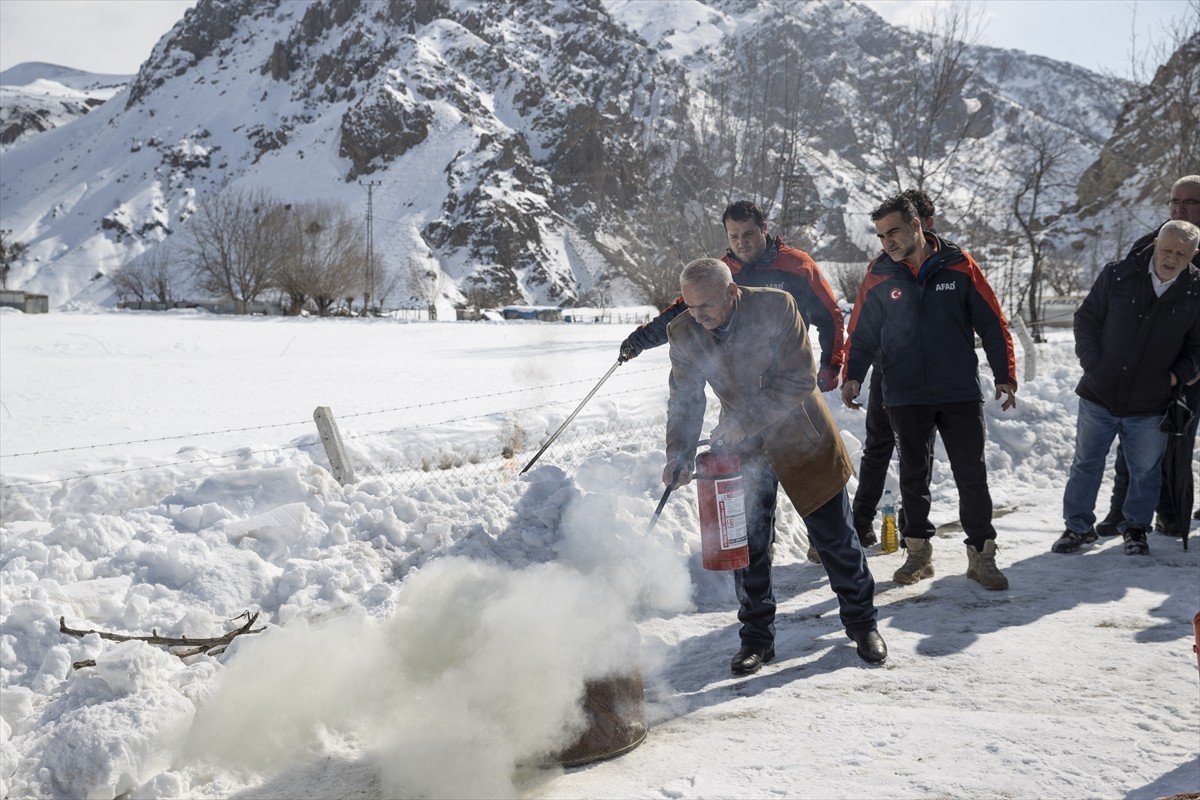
point(722, 501)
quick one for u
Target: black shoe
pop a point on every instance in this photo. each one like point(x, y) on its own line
point(1167, 525)
point(1110, 525)
point(866, 532)
point(1071, 541)
point(751, 658)
point(1196, 515)
point(870, 646)
point(1135, 542)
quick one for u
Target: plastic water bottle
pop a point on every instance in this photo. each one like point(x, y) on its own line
point(890, 539)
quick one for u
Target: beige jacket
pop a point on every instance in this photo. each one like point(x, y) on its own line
point(764, 375)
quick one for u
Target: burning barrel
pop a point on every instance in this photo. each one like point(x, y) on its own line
point(616, 720)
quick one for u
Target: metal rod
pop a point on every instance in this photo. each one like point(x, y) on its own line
point(657, 511)
point(663, 501)
point(567, 422)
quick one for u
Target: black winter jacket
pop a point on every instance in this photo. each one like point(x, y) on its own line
point(1129, 341)
point(921, 331)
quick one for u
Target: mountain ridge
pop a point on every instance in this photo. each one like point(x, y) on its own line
point(529, 152)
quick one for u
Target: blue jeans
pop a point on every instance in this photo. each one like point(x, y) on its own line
point(1143, 443)
point(1166, 505)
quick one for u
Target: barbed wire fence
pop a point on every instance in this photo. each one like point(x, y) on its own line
point(451, 463)
point(393, 456)
point(469, 467)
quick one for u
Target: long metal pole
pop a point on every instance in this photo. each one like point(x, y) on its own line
point(550, 441)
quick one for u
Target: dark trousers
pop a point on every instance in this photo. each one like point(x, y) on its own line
point(876, 455)
point(829, 530)
point(1166, 508)
point(962, 430)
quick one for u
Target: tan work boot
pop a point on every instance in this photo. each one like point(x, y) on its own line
point(918, 565)
point(981, 566)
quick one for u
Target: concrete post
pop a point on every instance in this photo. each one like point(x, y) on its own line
point(339, 462)
point(1027, 344)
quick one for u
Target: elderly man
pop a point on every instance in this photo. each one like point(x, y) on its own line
point(919, 310)
point(751, 346)
point(1184, 205)
point(1137, 335)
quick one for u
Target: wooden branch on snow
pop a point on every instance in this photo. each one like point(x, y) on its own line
point(213, 646)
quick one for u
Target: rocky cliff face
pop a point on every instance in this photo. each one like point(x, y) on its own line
point(1155, 140)
point(531, 150)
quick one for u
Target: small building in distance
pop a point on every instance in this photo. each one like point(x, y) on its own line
point(25, 301)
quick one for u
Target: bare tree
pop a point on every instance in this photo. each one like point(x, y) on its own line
point(322, 248)
point(10, 252)
point(847, 277)
point(919, 119)
point(152, 277)
point(1039, 171)
point(425, 279)
point(387, 283)
point(233, 244)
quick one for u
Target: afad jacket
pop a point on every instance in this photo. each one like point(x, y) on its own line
point(1129, 340)
point(763, 373)
point(779, 267)
point(920, 329)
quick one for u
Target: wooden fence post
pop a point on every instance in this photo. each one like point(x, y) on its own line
point(339, 462)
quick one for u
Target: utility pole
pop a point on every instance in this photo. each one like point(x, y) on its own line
point(369, 267)
point(4, 236)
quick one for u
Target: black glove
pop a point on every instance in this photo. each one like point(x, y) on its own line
point(629, 349)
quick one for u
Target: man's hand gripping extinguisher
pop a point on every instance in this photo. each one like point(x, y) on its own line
point(722, 501)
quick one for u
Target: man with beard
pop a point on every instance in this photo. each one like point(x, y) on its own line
point(922, 305)
point(880, 439)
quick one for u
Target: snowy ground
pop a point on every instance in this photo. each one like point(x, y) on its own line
point(429, 629)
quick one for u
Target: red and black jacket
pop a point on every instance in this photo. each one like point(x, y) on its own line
point(920, 329)
point(779, 267)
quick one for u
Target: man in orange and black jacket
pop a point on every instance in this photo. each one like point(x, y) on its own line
point(920, 308)
point(759, 260)
point(880, 442)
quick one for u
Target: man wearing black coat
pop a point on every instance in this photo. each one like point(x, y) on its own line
point(1137, 336)
point(919, 309)
point(1185, 205)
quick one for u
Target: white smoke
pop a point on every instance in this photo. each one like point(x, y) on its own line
point(481, 669)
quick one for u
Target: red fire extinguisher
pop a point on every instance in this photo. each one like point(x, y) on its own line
point(722, 502)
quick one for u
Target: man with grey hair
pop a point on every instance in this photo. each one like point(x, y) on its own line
point(1183, 205)
point(1137, 335)
point(751, 346)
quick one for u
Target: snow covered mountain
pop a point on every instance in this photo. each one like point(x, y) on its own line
point(539, 150)
point(35, 97)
